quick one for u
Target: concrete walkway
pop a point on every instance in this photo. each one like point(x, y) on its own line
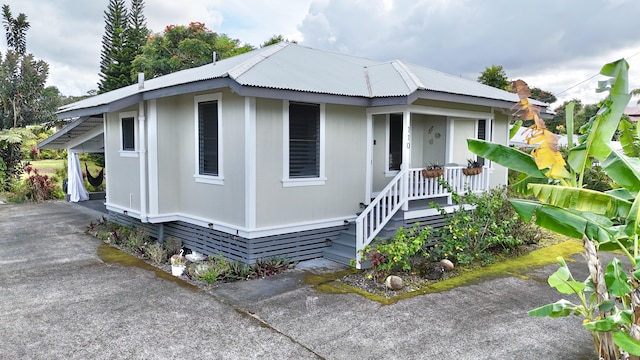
point(59, 300)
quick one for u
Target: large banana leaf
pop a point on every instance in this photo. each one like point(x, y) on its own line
point(521, 184)
point(627, 138)
point(622, 193)
point(623, 170)
point(604, 124)
point(582, 200)
point(506, 156)
point(566, 222)
point(633, 219)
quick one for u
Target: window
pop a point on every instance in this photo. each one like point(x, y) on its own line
point(303, 128)
point(128, 134)
point(208, 138)
point(482, 135)
point(304, 140)
point(208, 128)
point(395, 142)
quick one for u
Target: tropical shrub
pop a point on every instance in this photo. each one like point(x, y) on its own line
point(41, 187)
point(395, 253)
point(603, 220)
point(491, 226)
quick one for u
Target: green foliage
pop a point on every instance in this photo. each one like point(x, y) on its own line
point(276, 39)
point(16, 30)
point(217, 268)
point(182, 47)
point(544, 96)
point(10, 158)
point(208, 272)
point(270, 266)
point(125, 33)
point(136, 239)
point(22, 92)
point(606, 220)
point(173, 245)
point(41, 187)
point(490, 226)
point(494, 76)
point(239, 271)
point(395, 253)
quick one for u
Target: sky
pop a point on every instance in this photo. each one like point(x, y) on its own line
point(558, 46)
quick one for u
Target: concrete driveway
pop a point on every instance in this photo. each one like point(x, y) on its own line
point(59, 300)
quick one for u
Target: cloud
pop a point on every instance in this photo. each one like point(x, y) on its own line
point(550, 44)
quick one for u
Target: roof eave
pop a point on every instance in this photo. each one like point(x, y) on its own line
point(101, 109)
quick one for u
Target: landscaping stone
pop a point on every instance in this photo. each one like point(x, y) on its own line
point(448, 265)
point(394, 282)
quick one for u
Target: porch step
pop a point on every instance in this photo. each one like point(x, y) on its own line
point(343, 248)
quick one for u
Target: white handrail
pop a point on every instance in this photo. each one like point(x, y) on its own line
point(410, 184)
point(377, 214)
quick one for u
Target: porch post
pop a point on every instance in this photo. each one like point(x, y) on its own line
point(142, 156)
point(406, 157)
point(368, 184)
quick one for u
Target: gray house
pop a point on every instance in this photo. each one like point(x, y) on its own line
point(286, 150)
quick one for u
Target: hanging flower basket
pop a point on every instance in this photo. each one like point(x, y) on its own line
point(472, 171)
point(432, 173)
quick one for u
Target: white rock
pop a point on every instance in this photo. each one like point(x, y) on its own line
point(448, 265)
point(394, 282)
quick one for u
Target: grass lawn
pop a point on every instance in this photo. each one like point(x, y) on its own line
point(49, 167)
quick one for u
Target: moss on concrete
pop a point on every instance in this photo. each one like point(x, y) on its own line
point(328, 283)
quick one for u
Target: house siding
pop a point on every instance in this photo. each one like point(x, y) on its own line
point(345, 154)
point(223, 203)
point(500, 135)
point(463, 129)
point(170, 149)
point(122, 190)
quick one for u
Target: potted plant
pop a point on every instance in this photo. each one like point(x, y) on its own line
point(178, 264)
point(473, 167)
point(433, 170)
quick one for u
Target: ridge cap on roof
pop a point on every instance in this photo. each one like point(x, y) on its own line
point(246, 65)
point(410, 79)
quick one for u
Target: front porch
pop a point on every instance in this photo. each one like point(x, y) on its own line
point(407, 199)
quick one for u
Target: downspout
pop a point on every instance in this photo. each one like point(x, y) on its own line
point(142, 154)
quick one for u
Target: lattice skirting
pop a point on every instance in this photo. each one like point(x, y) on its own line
point(298, 246)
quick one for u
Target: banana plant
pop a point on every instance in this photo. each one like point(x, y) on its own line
point(604, 221)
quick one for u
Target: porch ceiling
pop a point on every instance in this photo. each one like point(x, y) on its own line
point(74, 136)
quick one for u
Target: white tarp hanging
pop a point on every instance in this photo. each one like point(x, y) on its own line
point(75, 184)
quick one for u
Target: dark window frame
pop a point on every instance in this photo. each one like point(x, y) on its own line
point(128, 125)
point(304, 141)
point(395, 142)
point(208, 138)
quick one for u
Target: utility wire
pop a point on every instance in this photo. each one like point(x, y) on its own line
point(584, 81)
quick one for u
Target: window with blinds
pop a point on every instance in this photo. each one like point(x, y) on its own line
point(128, 134)
point(208, 138)
point(304, 140)
point(482, 135)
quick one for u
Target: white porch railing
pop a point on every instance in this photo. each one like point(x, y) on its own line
point(410, 184)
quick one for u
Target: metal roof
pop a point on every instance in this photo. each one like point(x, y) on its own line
point(292, 67)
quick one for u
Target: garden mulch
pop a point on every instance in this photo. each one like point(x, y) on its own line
point(61, 300)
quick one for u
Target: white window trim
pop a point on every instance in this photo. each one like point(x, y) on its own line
point(488, 135)
point(208, 179)
point(293, 182)
point(387, 144)
point(128, 153)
